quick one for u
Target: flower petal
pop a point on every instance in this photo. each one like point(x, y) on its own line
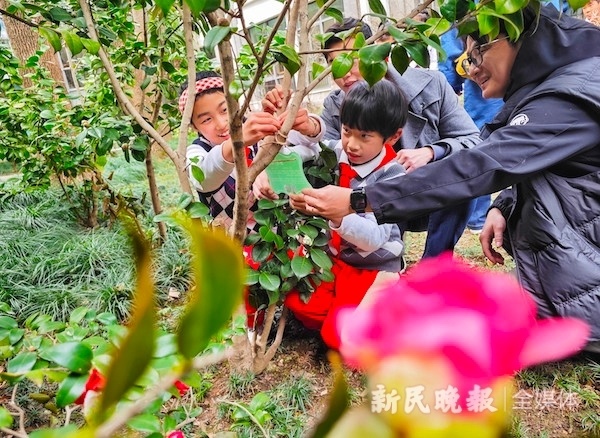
point(553, 339)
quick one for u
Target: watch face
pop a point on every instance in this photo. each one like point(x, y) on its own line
point(358, 200)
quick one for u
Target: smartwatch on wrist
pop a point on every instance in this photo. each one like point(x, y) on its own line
point(358, 200)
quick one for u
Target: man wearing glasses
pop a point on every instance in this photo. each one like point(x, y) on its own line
point(543, 147)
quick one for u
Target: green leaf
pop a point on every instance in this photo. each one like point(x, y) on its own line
point(453, 10)
point(400, 59)
point(73, 42)
point(22, 362)
point(342, 64)
point(289, 58)
point(59, 14)
point(75, 356)
point(488, 22)
point(335, 13)
point(506, 7)
point(71, 431)
point(6, 419)
point(301, 266)
point(316, 70)
point(218, 273)
point(197, 173)
point(251, 277)
point(267, 234)
point(377, 7)
point(135, 352)
point(269, 281)
point(577, 4)
point(140, 143)
point(197, 210)
point(214, 37)
point(6, 322)
point(165, 5)
point(78, 314)
point(47, 114)
point(372, 62)
point(418, 52)
point(165, 345)
point(320, 258)
point(91, 46)
point(70, 389)
point(146, 423)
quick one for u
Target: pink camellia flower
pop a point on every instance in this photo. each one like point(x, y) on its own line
point(441, 345)
point(483, 322)
point(175, 434)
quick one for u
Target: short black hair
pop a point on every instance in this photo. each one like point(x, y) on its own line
point(348, 24)
point(202, 75)
point(382, 108)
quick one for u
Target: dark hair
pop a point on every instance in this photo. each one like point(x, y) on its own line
point(348, 24)
point(202, 75)
point(382, 108)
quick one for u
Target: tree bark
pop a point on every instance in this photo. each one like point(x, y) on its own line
point(25, 41)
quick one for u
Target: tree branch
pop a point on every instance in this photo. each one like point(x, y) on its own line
point(19, 19)
point(320, 12)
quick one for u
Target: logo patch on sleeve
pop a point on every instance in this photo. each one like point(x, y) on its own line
point(519, 119)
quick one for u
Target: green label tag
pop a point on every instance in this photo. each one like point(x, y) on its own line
point(286, 174)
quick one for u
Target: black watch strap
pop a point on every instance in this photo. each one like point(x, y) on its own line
point(358, 200)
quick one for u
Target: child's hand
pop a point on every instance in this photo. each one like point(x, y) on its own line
point(258, 125)
point(303, 123)
point(261, 188)
point(274, 100)
point(297, 202)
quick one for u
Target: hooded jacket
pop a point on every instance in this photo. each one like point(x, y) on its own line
point(545, 143)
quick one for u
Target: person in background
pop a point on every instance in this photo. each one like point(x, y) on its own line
point(543, 147)
point(437, 127)
point(480, 109)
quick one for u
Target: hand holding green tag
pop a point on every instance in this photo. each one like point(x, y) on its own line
point(286, 174)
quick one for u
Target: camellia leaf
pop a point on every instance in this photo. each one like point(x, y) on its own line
point(74, 356)
point(453, 10)
point(506, 7)
point(488, 22)
point(135, 351)
point(52, 37)
point(214, 37)
point(377, 7)
point(219, 274)
point(147, 423)
point(268, 281)
point(292, 60)
point(59, 14)
point(400, 59)
point(73, 42)
point(334, 13)
point(301, 266)
point(70, 389)
point(577, 4)
point(372, 62)
point(197, 210)
point(320, 258)
point(342, 64)
point(165, 5)
point(316, 70)
point(22, 362)
point(6, 419)
point(418, 52)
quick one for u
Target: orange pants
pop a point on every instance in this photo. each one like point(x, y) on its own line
point(347, 290)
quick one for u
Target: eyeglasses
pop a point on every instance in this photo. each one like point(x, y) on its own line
point(475, 57)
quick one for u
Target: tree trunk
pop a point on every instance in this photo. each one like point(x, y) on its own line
point(25, 41)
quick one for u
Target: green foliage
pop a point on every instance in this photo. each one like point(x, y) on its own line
point(287, 253)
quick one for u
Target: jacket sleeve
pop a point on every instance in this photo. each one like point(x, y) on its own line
point(331, 117)
point(213, 166)
point(307, 147)
point(557, 132)
point(457, 131)
point(363, 231)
